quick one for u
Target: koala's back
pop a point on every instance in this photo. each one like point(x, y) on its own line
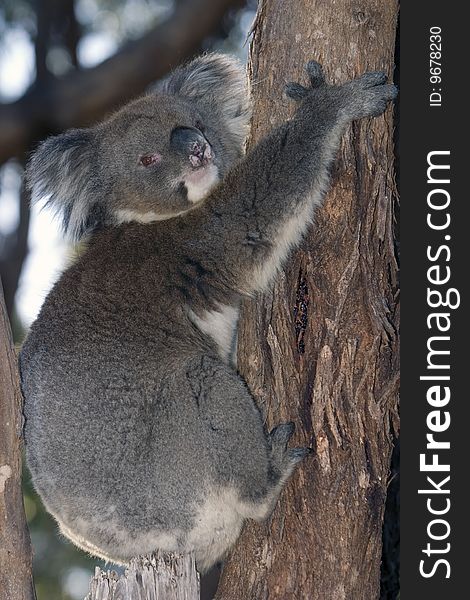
point(127, 405)
point(120, 301)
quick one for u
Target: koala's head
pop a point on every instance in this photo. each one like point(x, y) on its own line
point(153, 159)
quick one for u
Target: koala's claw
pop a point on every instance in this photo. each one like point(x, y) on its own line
point(367, 96)
point(296, 91)
point(285, 458)
point(281, 434)
point(295, 455)
point(315, 73)
point(378, 98)
point(369, 80)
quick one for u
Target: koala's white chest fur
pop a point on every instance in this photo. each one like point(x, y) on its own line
point(221, 326)
point(199, 183)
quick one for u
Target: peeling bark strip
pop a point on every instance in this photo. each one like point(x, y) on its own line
point(301, 313)
point(157, 577)
point(16, 579)
point(324, 539)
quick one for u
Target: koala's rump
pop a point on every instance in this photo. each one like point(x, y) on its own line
point(126, 467)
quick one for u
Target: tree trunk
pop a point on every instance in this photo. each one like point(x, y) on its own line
point(16, 579)
point(157, 577)
point(322, 348)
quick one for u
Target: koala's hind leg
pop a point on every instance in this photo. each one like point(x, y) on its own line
point(283, 461)
point(245, 457)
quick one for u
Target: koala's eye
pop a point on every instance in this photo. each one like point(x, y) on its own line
point(150, 159)
point(200, 126)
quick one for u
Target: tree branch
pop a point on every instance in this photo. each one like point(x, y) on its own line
point(72, 33)
point(16, 579)
point(160, 576)
point(82, 97)
point(13, 251)
point(41, 43)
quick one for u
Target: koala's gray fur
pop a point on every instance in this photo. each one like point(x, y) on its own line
point(139, 432)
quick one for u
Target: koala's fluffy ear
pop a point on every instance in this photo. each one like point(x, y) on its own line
point(62, 173)
point(219, 86)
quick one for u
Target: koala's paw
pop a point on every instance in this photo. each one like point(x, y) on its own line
point(284, 458)
point(367, 96)
point(297, 91)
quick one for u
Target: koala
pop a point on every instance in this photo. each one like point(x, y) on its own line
point(139, 432)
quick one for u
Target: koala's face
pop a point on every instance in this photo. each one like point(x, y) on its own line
point(155, 158)
point(165, 156)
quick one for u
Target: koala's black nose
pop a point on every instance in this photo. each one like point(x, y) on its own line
point(189, 142)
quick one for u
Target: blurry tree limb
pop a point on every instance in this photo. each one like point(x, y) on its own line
point(16, 579)
point(160, 577)
point(41, 43)
point(72, 30)
point(13, 251)
point(14, 245)
point(51, 16)
point(84, 96)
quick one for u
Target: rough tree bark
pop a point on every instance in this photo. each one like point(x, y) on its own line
point(157, 577)
point(16, 579)
point(321, 349)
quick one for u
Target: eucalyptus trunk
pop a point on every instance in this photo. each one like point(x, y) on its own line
point(321, 348)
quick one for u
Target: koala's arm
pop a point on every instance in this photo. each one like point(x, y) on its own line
point(264, 205)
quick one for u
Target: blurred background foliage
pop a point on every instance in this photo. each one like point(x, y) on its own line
point(50, 52)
